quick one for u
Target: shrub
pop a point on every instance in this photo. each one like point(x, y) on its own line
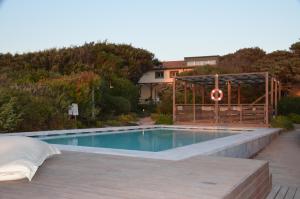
point(282, 122)
point(145, 110)
point(289, 105)
point(127, 119)
point(112, 123)
point(294, 118)
point(119, 104)
point(9, 117)
point(162, 118)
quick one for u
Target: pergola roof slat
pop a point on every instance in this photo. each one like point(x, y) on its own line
point(242, 78)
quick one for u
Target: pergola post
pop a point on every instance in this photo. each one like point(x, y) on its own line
point(185, 93)
point(229, 93)
point(216, 102)
point(174, 99)
point(276, 96)
point(279, 91)
point(267, 98)
point(229, 100)
point(194, 103)
point(202, 94)
point(239, 94)
point(272, 93)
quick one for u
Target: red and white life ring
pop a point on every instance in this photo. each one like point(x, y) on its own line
point(219, 96)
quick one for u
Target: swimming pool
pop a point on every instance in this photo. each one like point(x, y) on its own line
point(153, 140)
point(167, 142)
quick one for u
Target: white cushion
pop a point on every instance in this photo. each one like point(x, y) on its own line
point(20, 157)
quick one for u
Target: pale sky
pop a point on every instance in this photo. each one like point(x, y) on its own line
point(171, 29)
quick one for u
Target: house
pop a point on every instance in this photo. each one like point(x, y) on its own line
point(154, 81)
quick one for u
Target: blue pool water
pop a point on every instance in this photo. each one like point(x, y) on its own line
point(142, 140)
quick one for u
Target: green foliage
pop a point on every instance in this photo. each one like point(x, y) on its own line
point(9, 117)
point(295, 118)
point(103, 58)
point(145, 110)
point(206, 70)
point(166, 104)
point(46, 83)
point(282, 122)
point(124, 88)
point(242, 60)
point(288, 105)
point(162, 119)
point(127, 119)
point(295, 48)
point(121, 120)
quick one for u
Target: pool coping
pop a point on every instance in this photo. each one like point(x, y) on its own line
point(215, 147)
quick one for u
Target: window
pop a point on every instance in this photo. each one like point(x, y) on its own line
point(159, 74)
point(173, 73)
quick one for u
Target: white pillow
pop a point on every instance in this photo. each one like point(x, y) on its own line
point(20, 157)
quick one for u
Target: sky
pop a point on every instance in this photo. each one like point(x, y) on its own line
point(171, 29)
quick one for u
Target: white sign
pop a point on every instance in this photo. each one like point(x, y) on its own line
point(73, 109)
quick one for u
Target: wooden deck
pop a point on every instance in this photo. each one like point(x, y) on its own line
point(283, 155)
point(90, 176)
point(284, 161)
point(284, 192)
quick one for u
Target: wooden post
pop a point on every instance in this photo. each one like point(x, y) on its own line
point(239, 102)
point(229, 93)
point(185, 93)
point(216, 102)
point(194, 103)
point(279, 91)
point(267, 98)
point(174, 100)
point(272, 93)
point(229, 100)
point(276, 96)
point(202, 94)
point(239, 94)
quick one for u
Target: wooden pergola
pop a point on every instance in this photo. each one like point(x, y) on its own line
point(192, 102)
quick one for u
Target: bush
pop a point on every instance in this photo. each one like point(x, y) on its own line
point(145, 110)
point(162, 118)
point(112, 123)
point(127, 119)
point(282, 122)
point(289, 105)
point(119, 104)
point(9, 117)
point(294, 118)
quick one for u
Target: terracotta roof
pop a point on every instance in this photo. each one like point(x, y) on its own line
point(173, 64)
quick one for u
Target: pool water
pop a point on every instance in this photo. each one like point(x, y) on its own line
point(153, 140)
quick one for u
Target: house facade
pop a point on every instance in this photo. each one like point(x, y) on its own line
point(156, 80)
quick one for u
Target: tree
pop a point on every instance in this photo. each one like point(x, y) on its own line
point(242, 60)
point(295, 48)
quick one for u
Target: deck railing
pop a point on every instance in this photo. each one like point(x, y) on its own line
point(210, 113)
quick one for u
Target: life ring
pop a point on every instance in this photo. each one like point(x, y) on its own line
point(213, 95)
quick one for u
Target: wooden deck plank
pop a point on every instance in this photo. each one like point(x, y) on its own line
point(284, 159)
point(291, 193)
point(274, 192)
point(282, 192)
point(297, 195)
point(81, 175)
